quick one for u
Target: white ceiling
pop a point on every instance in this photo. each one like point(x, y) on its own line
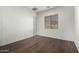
point(40, 8)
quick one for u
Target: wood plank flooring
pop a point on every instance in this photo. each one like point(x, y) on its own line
point(40, 44)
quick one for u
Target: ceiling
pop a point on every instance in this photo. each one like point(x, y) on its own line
point(40, 8)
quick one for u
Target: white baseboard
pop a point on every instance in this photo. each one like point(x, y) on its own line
point(54, 37)
point(6, 43)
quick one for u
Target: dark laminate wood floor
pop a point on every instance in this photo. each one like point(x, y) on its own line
point(40, 44)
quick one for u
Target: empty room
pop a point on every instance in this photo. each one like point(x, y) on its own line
point(39, 29)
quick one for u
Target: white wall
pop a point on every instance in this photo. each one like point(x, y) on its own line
point(35, 25)
point(17, 24)
point(65, 30)
point(0, 26)
point(77, 26)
